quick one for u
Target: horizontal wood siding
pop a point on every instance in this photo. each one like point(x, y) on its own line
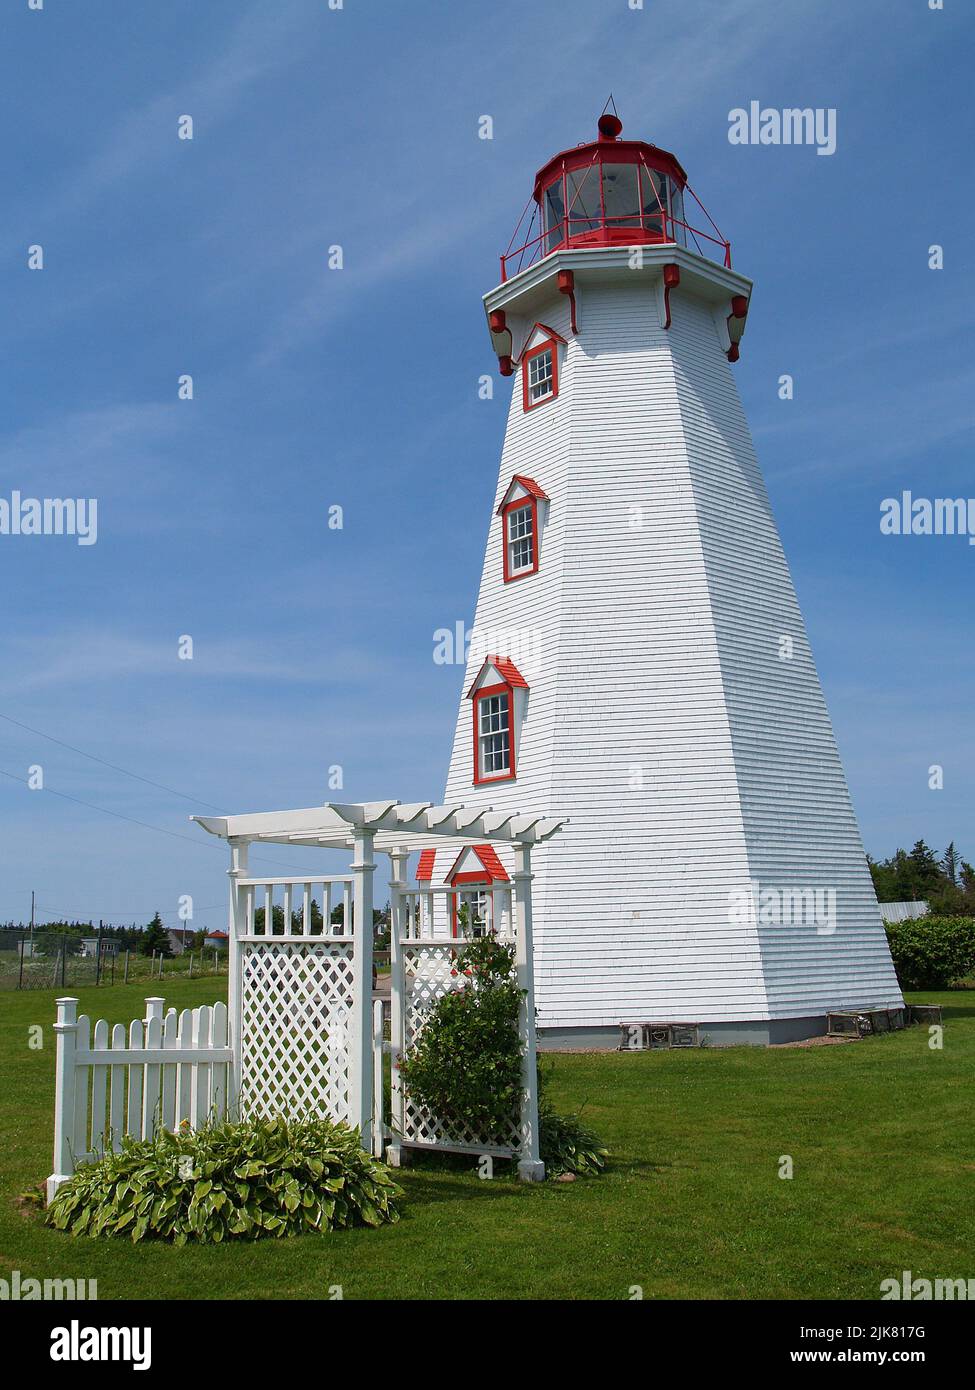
point(648, 722)
point(799, 822)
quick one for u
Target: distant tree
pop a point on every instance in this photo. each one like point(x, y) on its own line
point(155, 938)
point(926, 870)
point(949, 864)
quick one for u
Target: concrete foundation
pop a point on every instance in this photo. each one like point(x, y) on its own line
point(760, 1033)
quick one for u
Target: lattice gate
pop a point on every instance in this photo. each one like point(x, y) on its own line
point(425, 966)
point(432, 969)
point(296, 999)
point(296, 1003)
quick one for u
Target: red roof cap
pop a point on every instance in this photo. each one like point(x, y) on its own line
point(509, 670)
point(491, 864)
point(530, 486)
point(488, 856)
point(506, 669)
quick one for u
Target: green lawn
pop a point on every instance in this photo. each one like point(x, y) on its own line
point(880, 1132)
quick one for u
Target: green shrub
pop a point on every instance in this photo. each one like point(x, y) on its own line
point(567, 1145)
point(932, 952)
point(465, 1066)
point(229, 1182)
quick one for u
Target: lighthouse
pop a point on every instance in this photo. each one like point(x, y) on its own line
point(638, 660)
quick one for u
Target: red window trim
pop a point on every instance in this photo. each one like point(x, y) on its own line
point(517, 505)
point(476, 699)
point(526, 358)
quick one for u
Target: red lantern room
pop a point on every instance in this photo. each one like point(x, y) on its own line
point(610, 192)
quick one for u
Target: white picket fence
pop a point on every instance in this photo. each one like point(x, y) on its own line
point(164, 1071)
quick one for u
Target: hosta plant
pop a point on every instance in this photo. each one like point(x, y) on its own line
point(229, 1181)
point(567, 1145)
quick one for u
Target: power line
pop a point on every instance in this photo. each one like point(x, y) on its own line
point(160, 830)
point(118, 815)
point(130, 911)
point(114, 766)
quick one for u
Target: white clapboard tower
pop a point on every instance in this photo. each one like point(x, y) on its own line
point(639, 662)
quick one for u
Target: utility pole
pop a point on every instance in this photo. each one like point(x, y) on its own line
point(98, 954)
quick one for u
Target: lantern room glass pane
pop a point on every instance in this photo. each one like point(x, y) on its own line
point(678, 232)
point(653, 187)
point(582, 196)
point(554, 205)
point(621, 195)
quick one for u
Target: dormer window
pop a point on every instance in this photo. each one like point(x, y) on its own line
point(495, 696)
point(540, 365)
point(520, 523)
point(540, 379)
point(519, 512)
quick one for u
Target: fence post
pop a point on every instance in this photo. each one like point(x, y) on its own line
point(152, 1071)
point(360, 1051)
point(530, 1166)
point(64, 960)
point(397, 930)
point(66, 1030)
point(236, 927)
point(20, 977)
point(125, 973)
point(377, 1078)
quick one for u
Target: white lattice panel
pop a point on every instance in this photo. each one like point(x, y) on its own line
point(430, 970)
point(296, 1014)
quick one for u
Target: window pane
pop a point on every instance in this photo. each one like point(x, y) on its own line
point(521, 554)
point(678, 232)
point(520, 522)
point(582, 195)
point(621, 195)
point(554, 213)
point(653, 187)
point(540, 375)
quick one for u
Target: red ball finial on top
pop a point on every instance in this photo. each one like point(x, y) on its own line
point(609, 126)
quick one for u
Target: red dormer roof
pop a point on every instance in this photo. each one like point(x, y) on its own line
point(506, 669)
point(424, 870)
point(531, 488)
point(491, 864)
point(551, 334)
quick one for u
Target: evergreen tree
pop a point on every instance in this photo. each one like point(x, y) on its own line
point(949, 864)
point(155, 938)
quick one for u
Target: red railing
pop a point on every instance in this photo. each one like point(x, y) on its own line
point(628, 233)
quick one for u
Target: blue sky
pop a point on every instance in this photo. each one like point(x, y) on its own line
point(358, 387)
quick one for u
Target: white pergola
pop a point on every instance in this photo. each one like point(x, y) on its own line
point(397, 829)
point(392, 825)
